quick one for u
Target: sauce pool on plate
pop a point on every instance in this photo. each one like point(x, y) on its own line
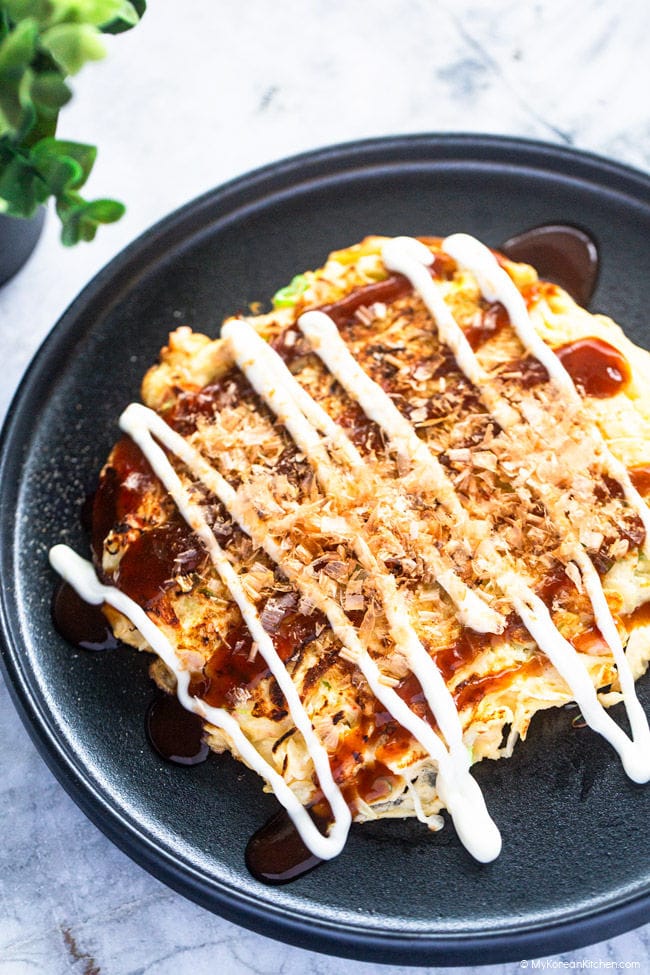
point(561, 253)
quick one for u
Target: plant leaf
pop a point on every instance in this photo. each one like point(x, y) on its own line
point(49, 93)
point(21, 187)
point(42, 41)
point(16, 52)
point(17, 49)
point(104, 211)
point(11, 110)
point(73, 45)
point(18, 10)
point(94, 12)
point(60, 173)
point(127, 18)
point(51, 12)
point(80, 219)
point(78, 152)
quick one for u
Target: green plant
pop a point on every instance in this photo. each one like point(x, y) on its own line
point(42, 43)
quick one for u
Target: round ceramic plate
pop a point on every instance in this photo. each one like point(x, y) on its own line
point(574, 867)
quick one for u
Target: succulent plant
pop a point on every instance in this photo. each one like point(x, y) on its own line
point(42, 44)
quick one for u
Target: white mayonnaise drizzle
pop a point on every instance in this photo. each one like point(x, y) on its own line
point(134, 421)
point(411, 258)
point(243, 336)
point(472, 609)
point(605, 623)
point(80, 574)
point(306, 421)
point(259, 362)
point(497, 285)
point(271, 379)
point(462, 795)
point(328, 345)
point(535, 616)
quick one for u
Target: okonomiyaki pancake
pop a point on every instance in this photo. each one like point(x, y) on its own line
point(371, 533)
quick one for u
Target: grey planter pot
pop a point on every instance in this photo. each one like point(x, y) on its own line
point(18, 238)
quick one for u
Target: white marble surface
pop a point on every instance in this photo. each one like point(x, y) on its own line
point(201, 92)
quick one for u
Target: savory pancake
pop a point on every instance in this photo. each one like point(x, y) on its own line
point(375, 530)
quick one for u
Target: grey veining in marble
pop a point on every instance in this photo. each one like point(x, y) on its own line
point(201, 92)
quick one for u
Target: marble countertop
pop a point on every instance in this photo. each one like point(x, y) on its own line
point(200, 93)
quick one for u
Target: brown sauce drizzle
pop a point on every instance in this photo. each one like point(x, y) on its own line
point(486, 325)
point(474, 689)
point(122, 487)
point(638, 617)
point(374, 782)
point(592, 642)
point(383, 292)
point(175, 733)
point(79, 623)
point(608, 487)
point(410, 691)
point(463, 651)
point(596, 367)
point(155, 558)
point(362, 431)
point(640, 477)
point(233, 667)
point(554, 584)
point(152, 561)
point(562, 254)
point(632, 529)
point(276, 853)
point(377, 733)
point(205, 403)
point(230, 667)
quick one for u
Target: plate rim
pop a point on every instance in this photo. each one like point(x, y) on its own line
point(354, 941)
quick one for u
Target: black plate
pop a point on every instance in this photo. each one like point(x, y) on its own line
point(575, 863)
